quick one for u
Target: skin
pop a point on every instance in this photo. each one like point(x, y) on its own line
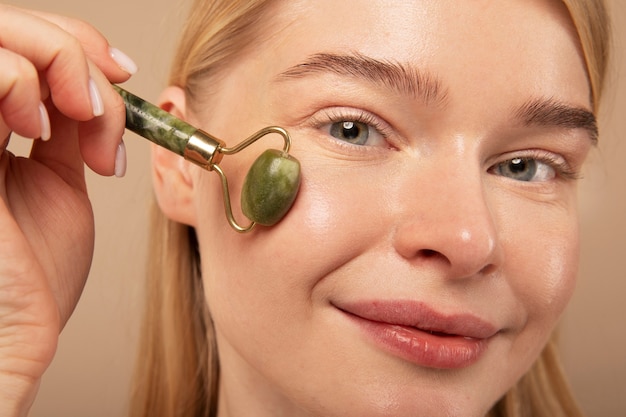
point(422, 214)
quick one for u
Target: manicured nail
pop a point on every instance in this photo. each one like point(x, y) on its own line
point(96, 99)
point(45, 122)
point(120, 160)
point(123, 61)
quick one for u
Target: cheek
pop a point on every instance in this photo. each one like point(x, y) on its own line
point(552, 265)
point(542, 266)
point(330, 224)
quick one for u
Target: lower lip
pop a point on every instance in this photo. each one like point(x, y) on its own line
point(421, 347)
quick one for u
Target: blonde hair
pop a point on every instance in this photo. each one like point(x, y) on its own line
point(177, 372)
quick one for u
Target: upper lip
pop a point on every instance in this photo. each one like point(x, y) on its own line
point(420, 316)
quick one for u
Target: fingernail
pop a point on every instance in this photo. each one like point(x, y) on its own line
point(120, 160)
point(123, 61)
point(96, 99)
point(45, 122)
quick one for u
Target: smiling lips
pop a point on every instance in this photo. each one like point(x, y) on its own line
point(418, 334)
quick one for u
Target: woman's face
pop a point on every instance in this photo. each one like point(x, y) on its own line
point(433, 244)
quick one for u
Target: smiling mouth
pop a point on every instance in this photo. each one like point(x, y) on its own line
point(418, 334)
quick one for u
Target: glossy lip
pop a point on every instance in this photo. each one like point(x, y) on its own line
point(419, 334)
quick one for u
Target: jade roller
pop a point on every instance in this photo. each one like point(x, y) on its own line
point(271, 185)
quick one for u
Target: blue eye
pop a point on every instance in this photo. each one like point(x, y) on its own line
point(525, 169)
point(357, 132)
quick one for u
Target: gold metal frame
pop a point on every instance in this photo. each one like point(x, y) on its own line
point(206, 151)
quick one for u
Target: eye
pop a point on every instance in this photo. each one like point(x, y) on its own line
point(356, 132)
point(353, 126)
point(525, 169)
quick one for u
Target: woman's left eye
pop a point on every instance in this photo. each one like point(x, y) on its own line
point(356, 133)
point(525, 169)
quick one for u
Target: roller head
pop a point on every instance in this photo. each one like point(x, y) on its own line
point(270, 187)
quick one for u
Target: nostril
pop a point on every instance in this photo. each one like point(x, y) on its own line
point(428, 253)
point(431, 255)
point(488, 269)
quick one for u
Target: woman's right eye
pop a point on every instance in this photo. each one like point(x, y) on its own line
point(356, 133)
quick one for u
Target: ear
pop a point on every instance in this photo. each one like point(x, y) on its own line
point(171, 177)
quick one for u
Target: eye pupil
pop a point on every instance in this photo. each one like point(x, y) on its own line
point(353, 132)
point(350, 130)
point(521, 169)
point(518, 165)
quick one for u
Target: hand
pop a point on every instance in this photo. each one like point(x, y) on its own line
point(46, 222)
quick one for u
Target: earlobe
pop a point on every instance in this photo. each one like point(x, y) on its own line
point(171, 177)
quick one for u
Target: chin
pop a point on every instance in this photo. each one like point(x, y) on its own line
point(380, 405)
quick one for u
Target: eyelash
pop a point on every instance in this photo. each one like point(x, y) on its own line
point(360, 116)
point(561, 168)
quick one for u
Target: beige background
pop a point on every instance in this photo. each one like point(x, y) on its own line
point(90, 376)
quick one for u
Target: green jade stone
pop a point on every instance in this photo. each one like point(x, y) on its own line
point(155, 124)
point(270, 188)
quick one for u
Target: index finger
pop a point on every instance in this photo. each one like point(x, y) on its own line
point(111, 61)
point(59, 55)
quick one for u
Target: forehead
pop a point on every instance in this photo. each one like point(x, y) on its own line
point(466, 43)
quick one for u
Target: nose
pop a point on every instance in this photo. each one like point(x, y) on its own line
point(447, 223)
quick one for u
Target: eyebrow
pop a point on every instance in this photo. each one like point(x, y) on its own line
point(552, 113)
point(411, 81)
point(403, 79)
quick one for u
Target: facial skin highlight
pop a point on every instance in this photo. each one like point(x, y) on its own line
point(459, 208)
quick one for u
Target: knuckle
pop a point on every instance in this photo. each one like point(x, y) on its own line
point(72, 45)
point(87, 34)
point(79, 27)
point(26, 70)
point(17, 70)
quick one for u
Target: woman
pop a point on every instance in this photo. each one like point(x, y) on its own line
point(432, 247)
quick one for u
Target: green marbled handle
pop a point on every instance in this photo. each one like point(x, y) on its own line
point(155, 124)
